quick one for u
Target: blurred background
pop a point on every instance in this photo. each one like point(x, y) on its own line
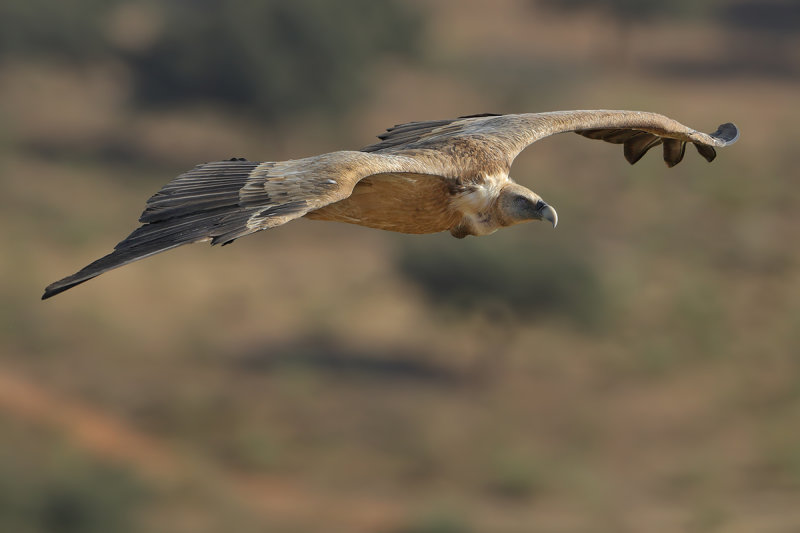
point(634, 370)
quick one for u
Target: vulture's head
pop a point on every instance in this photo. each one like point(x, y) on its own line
point(516, 204)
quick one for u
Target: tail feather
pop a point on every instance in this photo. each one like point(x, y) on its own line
point(200, 205)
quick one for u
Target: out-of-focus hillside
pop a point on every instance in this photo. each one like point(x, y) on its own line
point(634, 370)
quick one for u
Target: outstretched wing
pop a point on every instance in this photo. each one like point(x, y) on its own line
point(636, 142)
point(222, 201)
point(504, 136)
point(427, 134)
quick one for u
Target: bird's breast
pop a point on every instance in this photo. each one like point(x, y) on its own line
point(476, 206)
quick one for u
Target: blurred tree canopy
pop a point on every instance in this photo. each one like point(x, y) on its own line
point(766, 15)
point(272, 58)
point(759, 34)
point(625, 14)
point(625, 11)
point(771, 16)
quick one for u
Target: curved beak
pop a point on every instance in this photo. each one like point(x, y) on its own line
point(548, 213)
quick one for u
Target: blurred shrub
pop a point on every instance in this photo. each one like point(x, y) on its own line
point(48, 490)
point(630, 10)
point(759, 37)
point(501, 275)
point(324, 354)
point(769, 16)
point(762, 37)
point(624, 15)
point(516, 477)
point(275, 57)
point(272, 58)
point(72, 29)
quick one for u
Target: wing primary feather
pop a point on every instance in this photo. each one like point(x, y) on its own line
point(199, 205)
point(220, 225)
point(243, 226)
point(206, 187)
point(638, 145)
point(706, 151)
point(614, 135)
point(413, 132)
point(673, 151)
point(480, 115)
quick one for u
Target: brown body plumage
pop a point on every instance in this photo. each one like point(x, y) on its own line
point(406, 203)
point(422, 177)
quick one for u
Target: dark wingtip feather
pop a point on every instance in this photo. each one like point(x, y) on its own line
point(638, 145)
point(673, 151)
point(122, 255)
point(706, 151)
point(728, 133)
point(480, 115)
point(85, 274)
point(198, 204)
point(59, 287)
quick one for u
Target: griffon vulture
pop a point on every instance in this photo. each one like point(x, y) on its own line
point(422, 177)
